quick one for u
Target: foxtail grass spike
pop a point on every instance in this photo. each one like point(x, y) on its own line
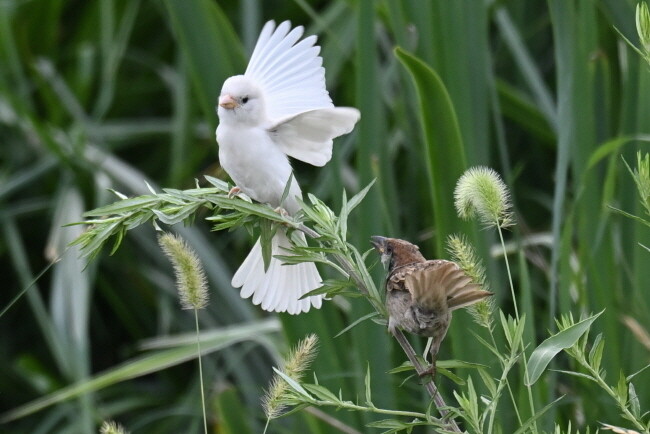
point(190, 277)
point(481, 193)
point(297, 362)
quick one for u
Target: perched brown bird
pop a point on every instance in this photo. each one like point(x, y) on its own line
point(421, 293)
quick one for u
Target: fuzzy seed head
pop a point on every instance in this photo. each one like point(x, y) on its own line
point(296, 363)
point(463, 253)
point(110, 427)
point(480, 192)
point(190, 277)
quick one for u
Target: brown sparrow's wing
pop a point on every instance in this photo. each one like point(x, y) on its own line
point(395, 281)
point(442, 283)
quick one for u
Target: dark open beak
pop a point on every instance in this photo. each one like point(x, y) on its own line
point(378, 243)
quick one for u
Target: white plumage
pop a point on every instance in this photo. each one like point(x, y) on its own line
point(278, 108)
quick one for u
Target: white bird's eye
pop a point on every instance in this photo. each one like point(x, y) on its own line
point(244, 100)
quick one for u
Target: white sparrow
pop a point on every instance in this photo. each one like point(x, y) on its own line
point(278, 108)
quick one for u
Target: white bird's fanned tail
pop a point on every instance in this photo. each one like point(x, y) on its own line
point(281, 286)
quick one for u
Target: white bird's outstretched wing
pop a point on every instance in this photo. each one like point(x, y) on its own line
point(308, 136)
point(289, 73)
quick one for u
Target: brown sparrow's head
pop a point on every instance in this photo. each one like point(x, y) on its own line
point(395, 252)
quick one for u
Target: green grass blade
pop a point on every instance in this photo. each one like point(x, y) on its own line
point(443, 149)
point(211, 341)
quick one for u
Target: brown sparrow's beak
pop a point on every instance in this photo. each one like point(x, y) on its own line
point(227, 102)
point(378, 243)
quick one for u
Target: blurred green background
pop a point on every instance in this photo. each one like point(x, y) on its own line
point(108, 94)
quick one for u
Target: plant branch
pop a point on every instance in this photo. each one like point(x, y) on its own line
point(430, 386)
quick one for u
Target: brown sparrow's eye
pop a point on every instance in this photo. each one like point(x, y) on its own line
point(244, 100)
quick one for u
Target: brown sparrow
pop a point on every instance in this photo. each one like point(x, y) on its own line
point(421, 293)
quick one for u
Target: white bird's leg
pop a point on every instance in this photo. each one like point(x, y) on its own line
point(234, 192)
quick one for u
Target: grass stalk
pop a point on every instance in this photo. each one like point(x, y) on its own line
point(198, 349)
point(531, 402)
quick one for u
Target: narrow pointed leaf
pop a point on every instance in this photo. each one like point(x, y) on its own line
point(547, 350)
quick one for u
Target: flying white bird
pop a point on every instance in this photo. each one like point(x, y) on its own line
point(278, 109)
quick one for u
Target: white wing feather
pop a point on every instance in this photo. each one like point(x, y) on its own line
point(289, 73)
point(308, 136)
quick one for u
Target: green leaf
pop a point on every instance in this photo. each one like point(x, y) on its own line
point(221, 185)
point(287, 188)
point(357, 198)
point(342, 222)
point(488, 381)
point(576, 374)
point(124, 206)
point(172, 216)
point(357, 322)
point(633, 401)
point(252, 208)
point(632, 216)
point(621, 387)
point(547, 350)
point(211, 341)
point(447, 373)
point(596, 353)
point(321, 392)
point(93, 241)
point(210, 48)
point(293, 384)
point(118, 240)
point(612, 146)
point(266, 237)
point(444, 151)
point(367, 383)
point(538, 414)
point(404, 367)
point(392, 424)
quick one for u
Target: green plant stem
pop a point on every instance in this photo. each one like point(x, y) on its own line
point(512, 396)
point(198, 348)
point(514, 302)
point(512, 286)
point(601, 382)
point(371, 408)
point(502, 381)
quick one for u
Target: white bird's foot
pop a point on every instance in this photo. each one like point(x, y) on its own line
point(283, 212)
point(234, 192)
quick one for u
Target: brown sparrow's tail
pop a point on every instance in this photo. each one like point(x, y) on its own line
point(443, 283)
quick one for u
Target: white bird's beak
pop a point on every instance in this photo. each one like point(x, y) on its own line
point(227, 102)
